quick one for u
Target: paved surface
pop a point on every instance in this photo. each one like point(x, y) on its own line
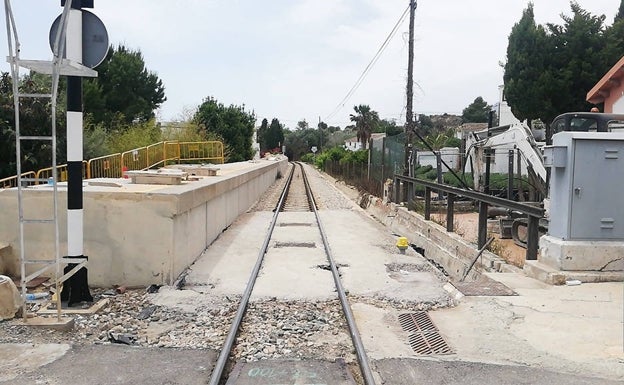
point(112, 365)
point(414, 371)
point(571, 329)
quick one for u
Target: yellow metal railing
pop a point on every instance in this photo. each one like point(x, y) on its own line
point(12, 180)
point(211, 152)
point(143, 158)
point(46, 173)
point(105, 167)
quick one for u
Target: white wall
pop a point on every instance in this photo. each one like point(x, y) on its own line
point(450, 155)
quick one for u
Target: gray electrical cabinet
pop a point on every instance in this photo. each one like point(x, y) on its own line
point(586, 185)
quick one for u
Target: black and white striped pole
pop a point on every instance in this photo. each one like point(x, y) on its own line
point(76, 288)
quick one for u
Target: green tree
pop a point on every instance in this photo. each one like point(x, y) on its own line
point(525, 69)
point(425, 124)
point(124, 91)
point(35, 119)
point(389, 127)
point(261, 134)
point(477, 111)
point(302, 125)
point(366, 120)
point(577, 61)
point(614, 38)
point(233, 124)
point(134, 136)
point(274, 137)
point(333, 129)
point(549, 70)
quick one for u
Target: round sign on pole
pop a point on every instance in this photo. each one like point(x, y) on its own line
point(94, 39)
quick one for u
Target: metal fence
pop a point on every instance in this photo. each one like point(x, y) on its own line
point(12, 180)
point(108, 166)
point(143, 158)
point(386, 158)
point(46, 173)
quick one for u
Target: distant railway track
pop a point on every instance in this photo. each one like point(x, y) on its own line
point(295, 197)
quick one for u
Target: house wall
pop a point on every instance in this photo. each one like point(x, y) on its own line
point(450, 155)
point(353, 146)
point(615, 102)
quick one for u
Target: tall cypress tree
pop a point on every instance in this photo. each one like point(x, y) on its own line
point(578, 59)
point(275, 135)
point(261, 134)
point(525, 66)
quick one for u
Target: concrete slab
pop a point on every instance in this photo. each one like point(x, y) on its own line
point(433, 372)
point(114, 365)
point(366, 248)
point(291, 273)
point(271, 372)
point(572, 329)
point(64, 323)
point(381, 332)
point(226, 265)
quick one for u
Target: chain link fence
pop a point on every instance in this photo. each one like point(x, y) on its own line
point(386, 157)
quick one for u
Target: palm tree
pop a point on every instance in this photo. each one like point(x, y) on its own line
point(365, 121)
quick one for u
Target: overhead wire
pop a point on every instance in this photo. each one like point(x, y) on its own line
point(370, 65)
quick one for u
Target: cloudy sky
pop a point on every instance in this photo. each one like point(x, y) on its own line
point(297, 59)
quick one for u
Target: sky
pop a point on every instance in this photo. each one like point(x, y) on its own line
point(297, 59)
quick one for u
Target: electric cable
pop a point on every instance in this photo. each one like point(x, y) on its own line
point(369, 66)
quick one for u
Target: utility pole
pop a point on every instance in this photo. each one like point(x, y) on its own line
point(320, 135)
point(409, 115)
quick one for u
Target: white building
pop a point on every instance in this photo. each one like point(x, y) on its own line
point(450, 155)
point(353, 144)
point(505, 116)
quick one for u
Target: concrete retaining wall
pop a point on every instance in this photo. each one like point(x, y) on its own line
point(449, 250)
point(139, 234)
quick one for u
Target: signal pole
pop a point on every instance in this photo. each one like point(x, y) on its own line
point(409, 115)
point(76, 288)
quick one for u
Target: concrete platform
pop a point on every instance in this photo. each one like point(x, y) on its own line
point(137, 234)
point(271, 372)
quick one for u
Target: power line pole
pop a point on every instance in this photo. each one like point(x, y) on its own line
point(409, 115)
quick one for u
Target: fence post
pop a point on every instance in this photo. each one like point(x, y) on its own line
point(410, 192)
point(450, 208)
point(532, 238)
point(395, 190)
point(439, 172)
point(483, 207)
point(510, 175)
point(427, 203)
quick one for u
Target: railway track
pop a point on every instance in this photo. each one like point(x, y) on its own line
point(295, 197)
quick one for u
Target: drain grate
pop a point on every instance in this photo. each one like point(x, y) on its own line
point(424, 337)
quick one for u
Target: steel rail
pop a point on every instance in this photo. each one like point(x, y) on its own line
point(367, 373)
point(475, 195)
point(217, 372)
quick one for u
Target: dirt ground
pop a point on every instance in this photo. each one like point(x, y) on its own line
point(466, 225)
